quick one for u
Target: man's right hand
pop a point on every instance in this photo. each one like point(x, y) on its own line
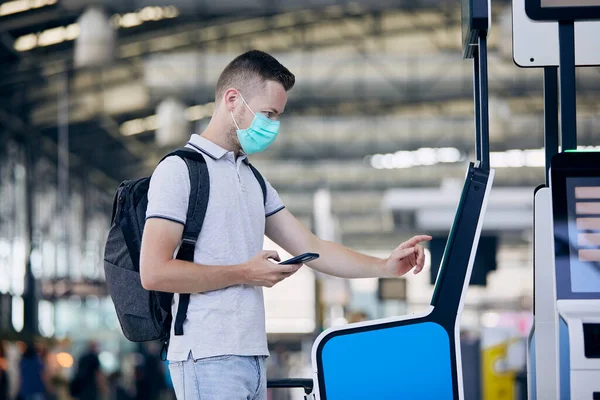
point(261, 272)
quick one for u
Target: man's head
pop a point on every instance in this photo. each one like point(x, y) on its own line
point(92, 346)
point(257, 79)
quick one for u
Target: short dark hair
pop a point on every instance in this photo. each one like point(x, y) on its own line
point(252, 68)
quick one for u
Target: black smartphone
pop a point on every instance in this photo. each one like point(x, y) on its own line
point(301, 259)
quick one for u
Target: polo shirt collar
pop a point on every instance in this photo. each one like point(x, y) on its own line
point(211, 149)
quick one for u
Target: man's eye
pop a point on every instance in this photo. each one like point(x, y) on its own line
point(268, 114)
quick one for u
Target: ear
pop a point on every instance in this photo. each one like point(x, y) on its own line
point(230, 98)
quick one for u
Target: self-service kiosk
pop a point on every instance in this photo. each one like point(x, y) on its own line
point(575, 186)
point(565, 351)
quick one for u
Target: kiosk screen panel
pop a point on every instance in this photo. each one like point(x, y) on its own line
point(583, 202)
point(575, 183)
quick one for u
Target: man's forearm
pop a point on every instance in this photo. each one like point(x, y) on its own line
point(178, 276)
point(343, 262)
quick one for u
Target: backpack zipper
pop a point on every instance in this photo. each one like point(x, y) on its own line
point(121, 205)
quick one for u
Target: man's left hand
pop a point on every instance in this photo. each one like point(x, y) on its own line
point(407, 256)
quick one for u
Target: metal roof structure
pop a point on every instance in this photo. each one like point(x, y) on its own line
point(374, 78)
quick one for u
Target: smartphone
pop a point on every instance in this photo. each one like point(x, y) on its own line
point(301, 259)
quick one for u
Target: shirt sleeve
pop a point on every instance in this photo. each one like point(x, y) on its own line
point(169, 191)
point(274, 203)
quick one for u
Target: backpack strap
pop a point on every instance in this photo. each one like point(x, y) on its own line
point(197, 206)
point(261, 181)
point(198, 203)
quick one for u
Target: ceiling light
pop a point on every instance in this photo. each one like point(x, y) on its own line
point(588, 148)
point(150, 14)
point(426, 156)
point(73, 31)
point(151, 123)
point(388, 161)
point(133, 127)
point(377, 161)
point(130, 20)
point(448, 155)
point(37, 3)
point(52, 36)
point(497, 160)
point(535, 158)
point(13, 7)
point(27, 42)
point(115, 20)
point(515, 158)
point(18, 6)
point(171, 12)
point(422, 156)
point(404, 159)
point(196, 113)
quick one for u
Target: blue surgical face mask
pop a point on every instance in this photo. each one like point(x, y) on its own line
point(259, 135)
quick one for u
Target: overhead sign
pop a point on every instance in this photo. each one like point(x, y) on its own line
point(535, 43)
point(562, 10)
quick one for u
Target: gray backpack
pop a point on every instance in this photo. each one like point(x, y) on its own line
point(146, 315)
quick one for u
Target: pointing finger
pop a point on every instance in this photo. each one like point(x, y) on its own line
point(412, 242)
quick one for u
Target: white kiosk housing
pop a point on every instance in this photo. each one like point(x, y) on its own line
point(565, 357)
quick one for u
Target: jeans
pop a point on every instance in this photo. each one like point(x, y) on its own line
point(226, 377)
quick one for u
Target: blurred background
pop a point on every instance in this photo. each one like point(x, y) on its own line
point(374, 146)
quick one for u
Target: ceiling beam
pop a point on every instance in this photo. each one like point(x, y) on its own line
point(49, 147)
point(305, 31)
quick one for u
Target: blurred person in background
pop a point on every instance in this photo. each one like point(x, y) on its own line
point(149, 377)
point(33, 376)
point(46, 356)
point(117, 390)
point(221, 353)
point(3, 373)
point(89, 382)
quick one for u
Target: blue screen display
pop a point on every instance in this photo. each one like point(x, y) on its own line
point(403, 362)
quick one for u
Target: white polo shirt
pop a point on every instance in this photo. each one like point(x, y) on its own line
point(230, 320)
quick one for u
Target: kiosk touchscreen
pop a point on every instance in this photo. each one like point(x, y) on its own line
point(379, 359)
point(575, 185)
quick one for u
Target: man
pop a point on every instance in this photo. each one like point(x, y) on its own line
point(221, 354)
point(89, 382)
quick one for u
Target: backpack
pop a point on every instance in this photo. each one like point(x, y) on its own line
point(145, 315)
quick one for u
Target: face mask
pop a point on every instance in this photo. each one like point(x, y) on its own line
point(259, 135)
